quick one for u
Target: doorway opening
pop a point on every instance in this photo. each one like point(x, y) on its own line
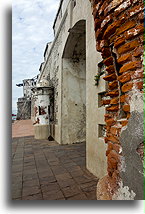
point(74, 86)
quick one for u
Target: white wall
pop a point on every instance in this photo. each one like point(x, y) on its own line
point(95, 146)
point(73, 102)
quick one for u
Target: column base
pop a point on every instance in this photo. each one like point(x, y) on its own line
point(41, 132)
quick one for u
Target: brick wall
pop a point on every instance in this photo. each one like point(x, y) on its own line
point(119, 37)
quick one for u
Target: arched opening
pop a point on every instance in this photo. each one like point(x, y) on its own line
point(74, 86)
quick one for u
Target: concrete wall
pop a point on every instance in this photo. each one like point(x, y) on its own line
point(96, 156)
point(74, 102)
point(61, 12)
point(61, 74)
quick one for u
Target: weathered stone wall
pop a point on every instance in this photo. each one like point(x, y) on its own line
point(23, 109)
point(52, 71)
point(54, 68)
point(28, 84)
point(119, 35)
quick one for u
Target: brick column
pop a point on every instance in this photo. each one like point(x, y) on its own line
point(119, 37)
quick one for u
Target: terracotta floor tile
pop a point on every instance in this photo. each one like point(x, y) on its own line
point(33, 197)
point(43, 170)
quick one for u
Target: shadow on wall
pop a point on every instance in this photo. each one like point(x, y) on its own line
point(74, 86)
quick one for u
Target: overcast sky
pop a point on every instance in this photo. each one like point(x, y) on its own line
point(32, 22)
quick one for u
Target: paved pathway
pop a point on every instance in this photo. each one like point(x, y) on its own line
point(44, 170)
point(21, 128)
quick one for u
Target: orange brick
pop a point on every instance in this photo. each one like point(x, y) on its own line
point(110, 170)
point(113, 85)
point(113, 139)
point(108, 116)
point(112, 39)
point(113, 130)
point(127, 87)
point(110, 122)
point(104, 5)
point(124, 98)
point(101, 44)
point(128, 47)
point(106, 53)
point(109, 148)
point(105, 102)
point(130, 66)
point(113, 108)
point(105, 22)
point(115, 155)
point(141, 16)
point(108, 61)
point(113, 93)
point(97, 23)
point(111, 29)
point(136, 9)
point(106, 139)
point(114, 101)
point(117, 148)
point(125, 58)
point(113, 4)
point(119, 41)
point(125, 27)
point(110, 77)
point(122, 7)
point(124, 123)
point(99, 34)
point(124, 78)
point(110, 69)
point(96, 7)
point(112, 163)
point(134, 32)
point(126, 108)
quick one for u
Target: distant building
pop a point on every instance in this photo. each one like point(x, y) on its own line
point(24, 103)
point(28, 84)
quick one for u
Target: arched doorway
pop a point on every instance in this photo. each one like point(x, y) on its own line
point(74, 86)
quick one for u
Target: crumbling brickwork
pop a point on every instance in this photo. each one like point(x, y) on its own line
point(119, 37)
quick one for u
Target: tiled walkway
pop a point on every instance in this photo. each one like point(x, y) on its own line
point(44, 170)
point(21, 128)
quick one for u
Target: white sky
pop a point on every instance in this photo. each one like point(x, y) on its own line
point(32, 22)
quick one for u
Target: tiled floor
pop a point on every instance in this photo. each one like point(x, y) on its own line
point(43, 170)
point(21, 128)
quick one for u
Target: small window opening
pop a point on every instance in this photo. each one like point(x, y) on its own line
point(39, 110)
point(100, 99)
point(117, 65)
point(74, 3)
point(101, 130)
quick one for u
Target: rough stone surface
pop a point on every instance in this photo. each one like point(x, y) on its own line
point(130, 139)
point(122, 32)
point(24, 109)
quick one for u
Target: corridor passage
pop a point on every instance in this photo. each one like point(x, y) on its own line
point(45, 170)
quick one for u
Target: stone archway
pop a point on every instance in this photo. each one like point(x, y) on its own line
point(74, 86)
